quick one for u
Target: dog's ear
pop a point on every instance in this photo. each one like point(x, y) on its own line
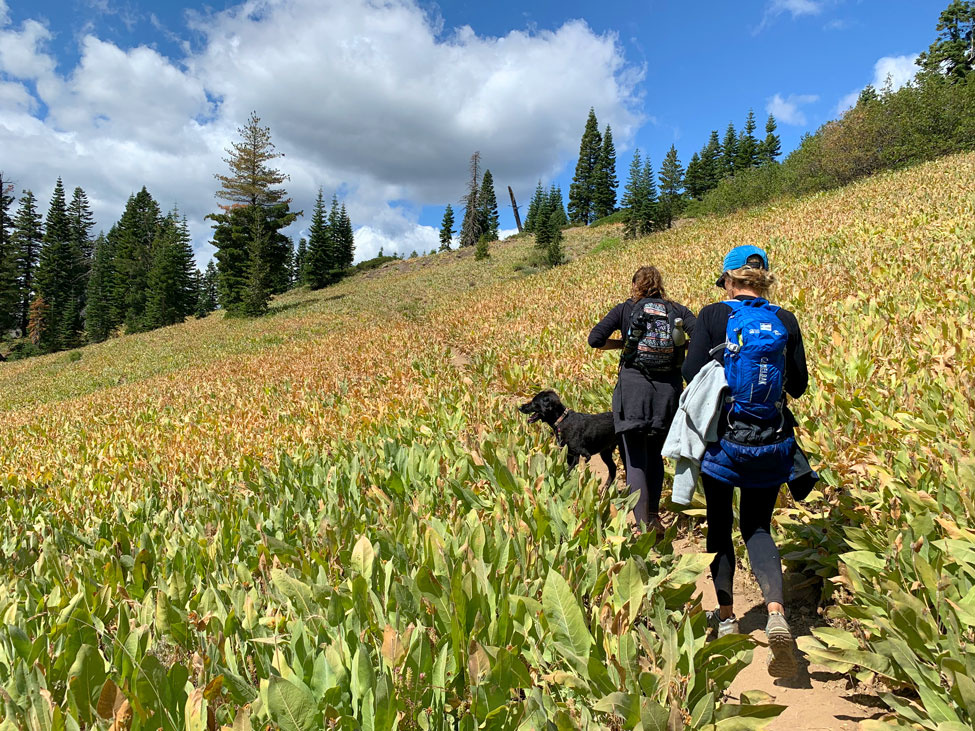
point(548, 402)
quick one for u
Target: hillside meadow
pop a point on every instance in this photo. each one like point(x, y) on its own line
point(334, 516)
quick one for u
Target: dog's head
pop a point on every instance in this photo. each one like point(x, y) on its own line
point(544, 406)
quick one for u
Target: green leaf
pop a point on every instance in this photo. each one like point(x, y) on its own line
point(196, 711)
point(297, 592)
point(86, 678)
point(624, 705)
point(569, 630)
point(291, 707)
point(363, 556)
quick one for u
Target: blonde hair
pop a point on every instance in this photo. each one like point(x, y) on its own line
point(647, 282)
point(759, 280)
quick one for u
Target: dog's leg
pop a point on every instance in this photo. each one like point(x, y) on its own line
point(607, 455)
point(573, 459)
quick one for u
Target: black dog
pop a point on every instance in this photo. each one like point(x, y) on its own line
point(583, 434)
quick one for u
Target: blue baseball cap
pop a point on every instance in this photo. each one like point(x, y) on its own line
point(746, 256)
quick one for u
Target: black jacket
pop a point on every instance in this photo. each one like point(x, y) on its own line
point(638, 402)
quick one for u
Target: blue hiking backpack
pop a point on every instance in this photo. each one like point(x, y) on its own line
point(758, 446)
point(754, 360)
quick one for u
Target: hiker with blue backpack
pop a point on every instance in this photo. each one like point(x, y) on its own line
point(748, 356)
point(654, 333)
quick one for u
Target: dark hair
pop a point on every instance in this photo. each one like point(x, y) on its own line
point(647, 282)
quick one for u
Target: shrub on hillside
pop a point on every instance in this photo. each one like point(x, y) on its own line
point(926, 119)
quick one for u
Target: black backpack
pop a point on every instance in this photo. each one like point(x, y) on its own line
point(649, 346)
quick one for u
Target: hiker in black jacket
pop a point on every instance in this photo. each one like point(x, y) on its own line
point(644, 402)
point(746, 280)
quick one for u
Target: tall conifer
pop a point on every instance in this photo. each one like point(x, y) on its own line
point(582, 191)
point(606, 181)
point(769, 148)
point(671, 184)
point(729, 152)
point(321, 248)
point(489, 208)
point(58, 276)
point(9, 289)
point(99, 321)
point(470, 228)
point(28, 235)
point(447, 228)
point(747, 152)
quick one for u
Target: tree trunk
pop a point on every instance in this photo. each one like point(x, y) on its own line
point(514, 207)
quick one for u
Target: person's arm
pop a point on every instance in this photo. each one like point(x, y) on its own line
point(699, 350)
point(599, 335)
point(690, 319)
point(796, 371)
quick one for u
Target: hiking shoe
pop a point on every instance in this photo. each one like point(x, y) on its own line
point(781, 647)
point(720, 626)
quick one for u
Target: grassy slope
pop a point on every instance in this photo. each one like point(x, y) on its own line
point(259, 386)
point(152, 427)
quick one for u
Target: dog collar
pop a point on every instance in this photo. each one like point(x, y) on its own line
point(560, 420)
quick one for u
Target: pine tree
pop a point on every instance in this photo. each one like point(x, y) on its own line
point(260, 274)
point(544, 214)
point(640, 198)
point(187, 280)
point(632, 192)
point(747, 152)
point(98, 313)
point(301, 263)
point(488, 201)
point(82, 223)
point(447, 228)
point(606, 181)
point(769, 148)
point(9, 289)
point(582, 192)
point(163, 290)
point(952, 55)
point(671, 183)
point(555, 207)
point(207, 301)
point(711, 163)
point(481, 251)
point(135, 233)
point(28, 235)
point(693, 178)
point(231, 230)
point(58, 274)
point(470, 229)
point(729, 152)
point(322, 260)
point(554, 254)
point(531, 218)
point(346, 239)
point(246, 285)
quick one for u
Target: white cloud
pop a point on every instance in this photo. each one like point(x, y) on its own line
point(374, 99)
point(795, 8)
point(899, 70)
point(789, 109)
point(4, 14)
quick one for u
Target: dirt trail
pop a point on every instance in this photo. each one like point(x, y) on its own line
point(817, 698)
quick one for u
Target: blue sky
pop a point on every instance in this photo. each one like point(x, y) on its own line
point(385, 104)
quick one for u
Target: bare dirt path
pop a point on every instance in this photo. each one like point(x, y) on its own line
point(817, 698)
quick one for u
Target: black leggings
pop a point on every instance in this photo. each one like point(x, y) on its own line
point(755, 520)
point(644, 471)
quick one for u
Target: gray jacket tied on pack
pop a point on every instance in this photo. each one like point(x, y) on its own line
point(694, 425)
